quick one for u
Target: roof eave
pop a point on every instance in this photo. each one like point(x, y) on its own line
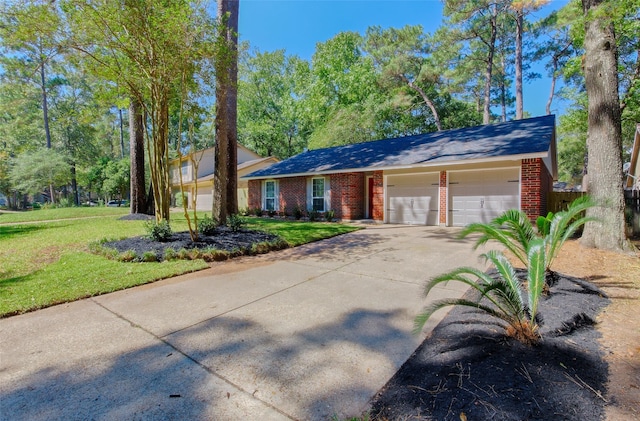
point(402, 167)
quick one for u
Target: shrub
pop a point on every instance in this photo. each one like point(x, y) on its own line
point(207, 225)
point(314, 215)
point(170, 254)
point(272, 213)
point(514, 231)
point(297, 213)
point(500, 296)
point(149, 256)
point(258, 211)
point(158, 231)
point(235, 222)
point(183, 254)
point(127, 256)
point(329, 215)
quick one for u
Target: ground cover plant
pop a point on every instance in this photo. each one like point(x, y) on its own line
point(46, 263)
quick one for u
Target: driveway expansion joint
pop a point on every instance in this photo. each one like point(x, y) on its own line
point(252, 395)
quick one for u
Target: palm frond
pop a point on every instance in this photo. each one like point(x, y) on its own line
point(458, 275)
point(536, 274)
point(422, 318)
point(497, 233)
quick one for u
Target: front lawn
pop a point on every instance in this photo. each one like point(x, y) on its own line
point(46, 263)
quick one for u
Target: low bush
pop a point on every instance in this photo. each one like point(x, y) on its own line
point(298, 213)
point(170, 254)
point(158, 231)
point(329, 215)
point(149, 256)
point(207, 225)
point(236, 222)
point(314, 215)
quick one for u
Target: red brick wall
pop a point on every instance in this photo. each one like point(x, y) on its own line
point(443, 198)
point(348, 195)
point(255, 194)
point(378, 196)
point(535, 186)
point(293, 192)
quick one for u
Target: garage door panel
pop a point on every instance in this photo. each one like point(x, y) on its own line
point(480, 196)
point(412, 199)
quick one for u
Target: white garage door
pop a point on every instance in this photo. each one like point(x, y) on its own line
point(413, 199)
point(480, 196)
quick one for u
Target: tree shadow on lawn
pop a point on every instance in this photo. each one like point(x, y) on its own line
point(11, 231)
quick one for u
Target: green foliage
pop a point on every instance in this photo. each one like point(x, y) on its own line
point(170, 254)
point(500, 296)
point(329, 215)
point(33, 172)
point(158, 231)
point(514, 231)
point(236, 222)
point(207, 225)
point(298, 213)
point(313, 215)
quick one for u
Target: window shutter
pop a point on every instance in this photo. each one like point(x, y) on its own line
point(327, 194)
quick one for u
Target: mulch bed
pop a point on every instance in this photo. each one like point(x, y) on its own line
point(224, 239)
point(467, 369)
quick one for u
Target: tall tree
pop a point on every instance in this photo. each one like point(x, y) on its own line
point(138, 199)
point(604, 139)
point(225, 194)
point(271, 118)
point(30, 32)
point(478, 21)
point(403, 55)
point(145, 47)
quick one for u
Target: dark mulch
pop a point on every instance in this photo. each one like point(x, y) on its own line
point(224, 239)
point(468, 369)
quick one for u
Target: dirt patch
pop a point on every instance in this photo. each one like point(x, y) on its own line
point(468, 369)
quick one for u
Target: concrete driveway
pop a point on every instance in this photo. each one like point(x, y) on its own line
point(309, 333)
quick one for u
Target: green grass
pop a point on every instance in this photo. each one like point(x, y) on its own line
point(60, 213)
point(46, 263)
point(298, 232)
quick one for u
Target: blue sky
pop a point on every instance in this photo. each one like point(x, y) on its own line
point(297, 25)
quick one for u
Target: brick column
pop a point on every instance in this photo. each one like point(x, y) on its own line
point(378, 196)
point(255, 194)
point(534, 186)
point(443, 198)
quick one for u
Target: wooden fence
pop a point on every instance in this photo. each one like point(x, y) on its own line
point(558, 201)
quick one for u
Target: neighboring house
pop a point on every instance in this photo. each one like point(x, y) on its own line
point(451, 177)
point(632, 181)
point(248, 161)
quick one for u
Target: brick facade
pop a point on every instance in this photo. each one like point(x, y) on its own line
point(293, 193)
point(347, 195)
point(255, 194)
point(442, 191)
point(377, 213)
point(535, 185)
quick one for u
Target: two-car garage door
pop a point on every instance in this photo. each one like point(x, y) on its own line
point(413, 199)
point(480, 196)
point(473, 196)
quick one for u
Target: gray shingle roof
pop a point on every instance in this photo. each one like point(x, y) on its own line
point(518, 137)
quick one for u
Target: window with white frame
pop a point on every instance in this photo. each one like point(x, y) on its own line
point(270, 195)
point(317, 194)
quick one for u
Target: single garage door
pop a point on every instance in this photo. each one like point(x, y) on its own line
point(413, 199)
point(480, 196)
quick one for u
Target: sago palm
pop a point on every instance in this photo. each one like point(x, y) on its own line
point(515, 232)
point(500, 296)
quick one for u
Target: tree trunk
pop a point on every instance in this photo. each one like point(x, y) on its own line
point(225, 195)
point(519, 30)
point(553, 84)
point(121, 134)
point(74, 185)
point(486, 114)
point(136, 156)
point(427, 101)
point(604, 137)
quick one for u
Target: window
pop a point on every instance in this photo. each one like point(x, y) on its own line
point(317, 194)
point(270, 195)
